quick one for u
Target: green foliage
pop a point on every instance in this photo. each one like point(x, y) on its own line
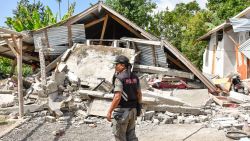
point(34, 16)
point(172, 24)
point(137, 11)
point(187, 22)
point(6, 64)
point(225, 9)
point(196, 27)
point(30, 16)
point(71, 10)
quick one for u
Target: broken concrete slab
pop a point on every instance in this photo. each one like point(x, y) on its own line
point(148, 115)
point(51, 87)
point(66, 55)
point(81, 61)
point(99, 107)
point(60, 77)
point(91, 93)
point(164, 99)
point(50, 119)
point(175, 109)
point(27, 108)
point(6, 91)
point(62, 67)
point(6, 100)
point(163, 71)
point(238, 97)
point(55, 106)
point(73, 78)
point(81, 113)
point(194, 97)
point(145, 99)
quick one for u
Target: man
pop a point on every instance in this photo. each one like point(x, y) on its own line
point(127, 95)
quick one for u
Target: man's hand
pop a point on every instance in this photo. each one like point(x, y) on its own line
point(109, 116)
point(114, 104)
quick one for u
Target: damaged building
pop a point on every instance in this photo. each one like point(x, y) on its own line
point(75, 59)
point(228, 47)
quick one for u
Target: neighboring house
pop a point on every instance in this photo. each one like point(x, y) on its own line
point(228, 47)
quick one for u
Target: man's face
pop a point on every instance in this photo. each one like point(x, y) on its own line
point(119, 67)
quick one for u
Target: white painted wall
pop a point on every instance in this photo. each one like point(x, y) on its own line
point(219, 64)
point(208, 55)
point(229, 53)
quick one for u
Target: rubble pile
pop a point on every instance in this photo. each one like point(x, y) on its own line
point(78, 90)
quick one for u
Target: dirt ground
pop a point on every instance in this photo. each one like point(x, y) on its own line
point(38, 130)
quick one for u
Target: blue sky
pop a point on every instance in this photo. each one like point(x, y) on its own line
point(9, 5)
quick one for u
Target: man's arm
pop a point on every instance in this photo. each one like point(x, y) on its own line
point(114, 104)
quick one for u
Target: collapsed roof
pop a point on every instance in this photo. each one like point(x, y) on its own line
point(99, 19)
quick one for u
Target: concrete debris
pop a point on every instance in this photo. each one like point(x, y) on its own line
point(6, 100)
point(98, 107)
point(79, 92)
point(66, 55)
point(238, 97)
point(51, 87)
point(62, 67)
point(50, 119)
point(195, 97)
point(148, 115)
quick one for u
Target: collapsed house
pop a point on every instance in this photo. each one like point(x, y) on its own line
point(75, 58)
point(228, 47)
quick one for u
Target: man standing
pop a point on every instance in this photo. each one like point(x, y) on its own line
point(127, 96)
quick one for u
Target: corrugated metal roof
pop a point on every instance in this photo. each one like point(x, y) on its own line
point(96, 8)
point(245, 48)
point(224, 25)
point(58, 38)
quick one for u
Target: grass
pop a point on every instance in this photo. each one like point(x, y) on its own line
point(3, 120)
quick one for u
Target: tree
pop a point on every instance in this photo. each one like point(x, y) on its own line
point(138, 11)
point(172, 24)
point(29, 16)
point(59, 7)
point(225, 9)
point(34, 16)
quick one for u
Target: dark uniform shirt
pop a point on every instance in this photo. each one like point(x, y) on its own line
point(128, 86)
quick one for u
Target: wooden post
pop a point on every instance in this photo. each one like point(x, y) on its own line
point(104, 28)
point(42, 62)
point(20, 80)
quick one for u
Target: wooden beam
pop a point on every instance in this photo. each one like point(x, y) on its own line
point(94, 22)
point(5, 51)
point(176, 62)
point(104, 28)
point(51, 66)
point(15, 43)
point(8, 31)
point(94, 15)
point(11, 47)
point(126, 26)
point(231, 38)
point(164, 71)
point(20, 81)
point(154, 56)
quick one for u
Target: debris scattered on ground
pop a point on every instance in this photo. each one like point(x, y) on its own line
point(82, 95)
